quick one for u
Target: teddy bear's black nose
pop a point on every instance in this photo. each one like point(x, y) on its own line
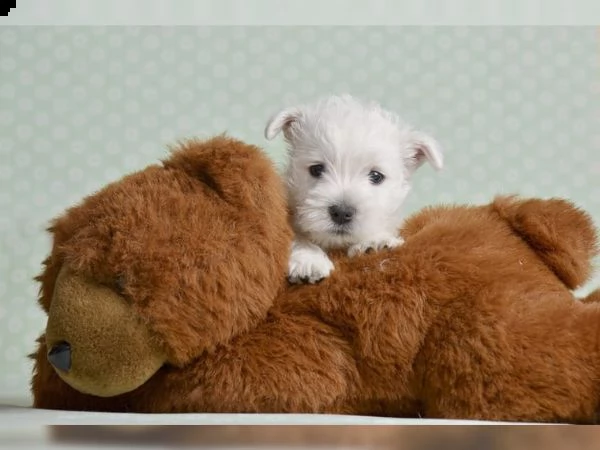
point(60, 356)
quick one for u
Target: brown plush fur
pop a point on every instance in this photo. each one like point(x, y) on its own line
point(473, 317)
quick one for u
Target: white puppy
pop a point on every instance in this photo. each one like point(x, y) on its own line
point(349, 172)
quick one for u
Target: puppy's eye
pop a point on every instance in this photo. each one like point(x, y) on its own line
point(376, 177)
point(316, 170)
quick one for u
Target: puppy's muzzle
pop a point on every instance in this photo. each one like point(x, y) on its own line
point(341, 214)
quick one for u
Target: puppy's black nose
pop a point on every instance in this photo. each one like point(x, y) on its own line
point(342, 213)
point(60, 356)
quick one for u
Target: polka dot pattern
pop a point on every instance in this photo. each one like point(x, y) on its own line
point(515, 108)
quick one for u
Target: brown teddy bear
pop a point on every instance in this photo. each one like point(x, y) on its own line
point(166, 292)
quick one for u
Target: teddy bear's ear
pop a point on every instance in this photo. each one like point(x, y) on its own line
point(563, 235)
point(241, 174)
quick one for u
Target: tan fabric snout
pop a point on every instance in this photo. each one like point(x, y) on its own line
point(111, 350)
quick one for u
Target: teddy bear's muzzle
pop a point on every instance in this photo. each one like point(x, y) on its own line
point(96, 341)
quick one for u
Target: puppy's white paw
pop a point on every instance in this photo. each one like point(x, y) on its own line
point(308, 264)
point(386, 242)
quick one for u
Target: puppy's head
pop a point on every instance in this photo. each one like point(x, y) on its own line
point(350, 167)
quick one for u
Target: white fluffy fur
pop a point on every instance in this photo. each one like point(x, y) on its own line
point(350, 139)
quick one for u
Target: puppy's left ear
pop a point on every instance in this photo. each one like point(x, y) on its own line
point(281, 121)
point(426, 149)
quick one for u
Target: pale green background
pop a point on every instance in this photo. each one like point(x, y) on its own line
point(305, 12)
point(516, 109)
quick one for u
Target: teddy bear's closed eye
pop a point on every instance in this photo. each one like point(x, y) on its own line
point(120, 283)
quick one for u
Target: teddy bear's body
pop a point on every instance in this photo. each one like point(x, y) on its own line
point(472, 318)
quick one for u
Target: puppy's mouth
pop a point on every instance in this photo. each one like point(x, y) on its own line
point(340, 231)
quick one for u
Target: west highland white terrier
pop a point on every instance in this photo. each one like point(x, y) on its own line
point(349, 171)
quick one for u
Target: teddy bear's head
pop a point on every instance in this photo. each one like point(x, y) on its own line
point(148, 270)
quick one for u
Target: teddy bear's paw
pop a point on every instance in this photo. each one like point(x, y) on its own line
point(308, 265)
point(384, 243)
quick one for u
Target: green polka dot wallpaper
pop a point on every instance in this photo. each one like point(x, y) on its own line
point(516, 109)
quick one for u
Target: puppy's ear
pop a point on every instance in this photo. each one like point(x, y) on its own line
point(426, 149)
point(281, 121)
